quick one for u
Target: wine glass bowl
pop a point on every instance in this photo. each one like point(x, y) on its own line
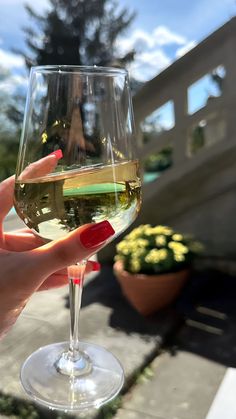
point(76, 165)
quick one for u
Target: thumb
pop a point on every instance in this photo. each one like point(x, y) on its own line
point(78, 245)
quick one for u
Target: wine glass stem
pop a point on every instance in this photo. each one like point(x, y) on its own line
point(75, 362)
point(76, 278)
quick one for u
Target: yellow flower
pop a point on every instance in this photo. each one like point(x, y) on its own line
point(135, 265)
point(152, 256)
point(139, 252)
point(167, 231)
point(156, 256)
point(124, 247)
point(121, 246)
point(160, 240)
point(133, 235)
point(178, 247)
point(177, 237)
point(148, 230)
point(137, 232)
point(141, 243)
point(179, 257)
point(163, 254)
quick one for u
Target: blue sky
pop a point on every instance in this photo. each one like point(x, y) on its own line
point(161, 32)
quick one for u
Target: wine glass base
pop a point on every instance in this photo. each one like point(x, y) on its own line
point(45, 384)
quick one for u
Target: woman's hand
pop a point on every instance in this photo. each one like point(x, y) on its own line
point(27, 265)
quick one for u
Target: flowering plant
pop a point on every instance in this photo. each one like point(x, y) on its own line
point(151, 250)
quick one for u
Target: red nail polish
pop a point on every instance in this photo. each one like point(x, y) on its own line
point(77, 281)
point(58, 153)
point(96, 266)
point(96, 234)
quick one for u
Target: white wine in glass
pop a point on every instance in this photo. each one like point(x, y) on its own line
point(84, 115)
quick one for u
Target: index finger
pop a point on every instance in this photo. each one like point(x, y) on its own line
point(41, 167)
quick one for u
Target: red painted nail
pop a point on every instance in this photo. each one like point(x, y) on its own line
point(58, 153)
point(96, 234)
point(77, 281)
point(96, 266)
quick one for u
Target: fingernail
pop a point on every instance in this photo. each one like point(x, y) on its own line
point(96, 266)
point(58, 153)
point(77, 281)
point(96, 234)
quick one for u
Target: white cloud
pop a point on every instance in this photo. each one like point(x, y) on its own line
point(12, 82)
point(140, 39)
point(163, 36)
point(9, 60)
point(151, 54)
point(149, 64)
point(12, 72)
point(186, 48)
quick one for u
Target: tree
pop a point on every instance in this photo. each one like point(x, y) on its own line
point(79, 32)
point(9, 132)
point(5, 102)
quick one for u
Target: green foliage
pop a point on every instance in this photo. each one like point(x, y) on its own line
point(146, 375)
point(108, 411)
point(10, 406)
point(8, 157)
point(197, 139)
point(157, 162)
point(77, 32)
point(7, 128)
point(152, 250)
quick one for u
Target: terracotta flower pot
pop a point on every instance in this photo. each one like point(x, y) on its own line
point(149, 293)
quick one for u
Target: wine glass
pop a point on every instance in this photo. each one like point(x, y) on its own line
point(84, 115)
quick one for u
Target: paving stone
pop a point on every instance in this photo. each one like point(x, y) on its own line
point(182, 387)
point(132, 414)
